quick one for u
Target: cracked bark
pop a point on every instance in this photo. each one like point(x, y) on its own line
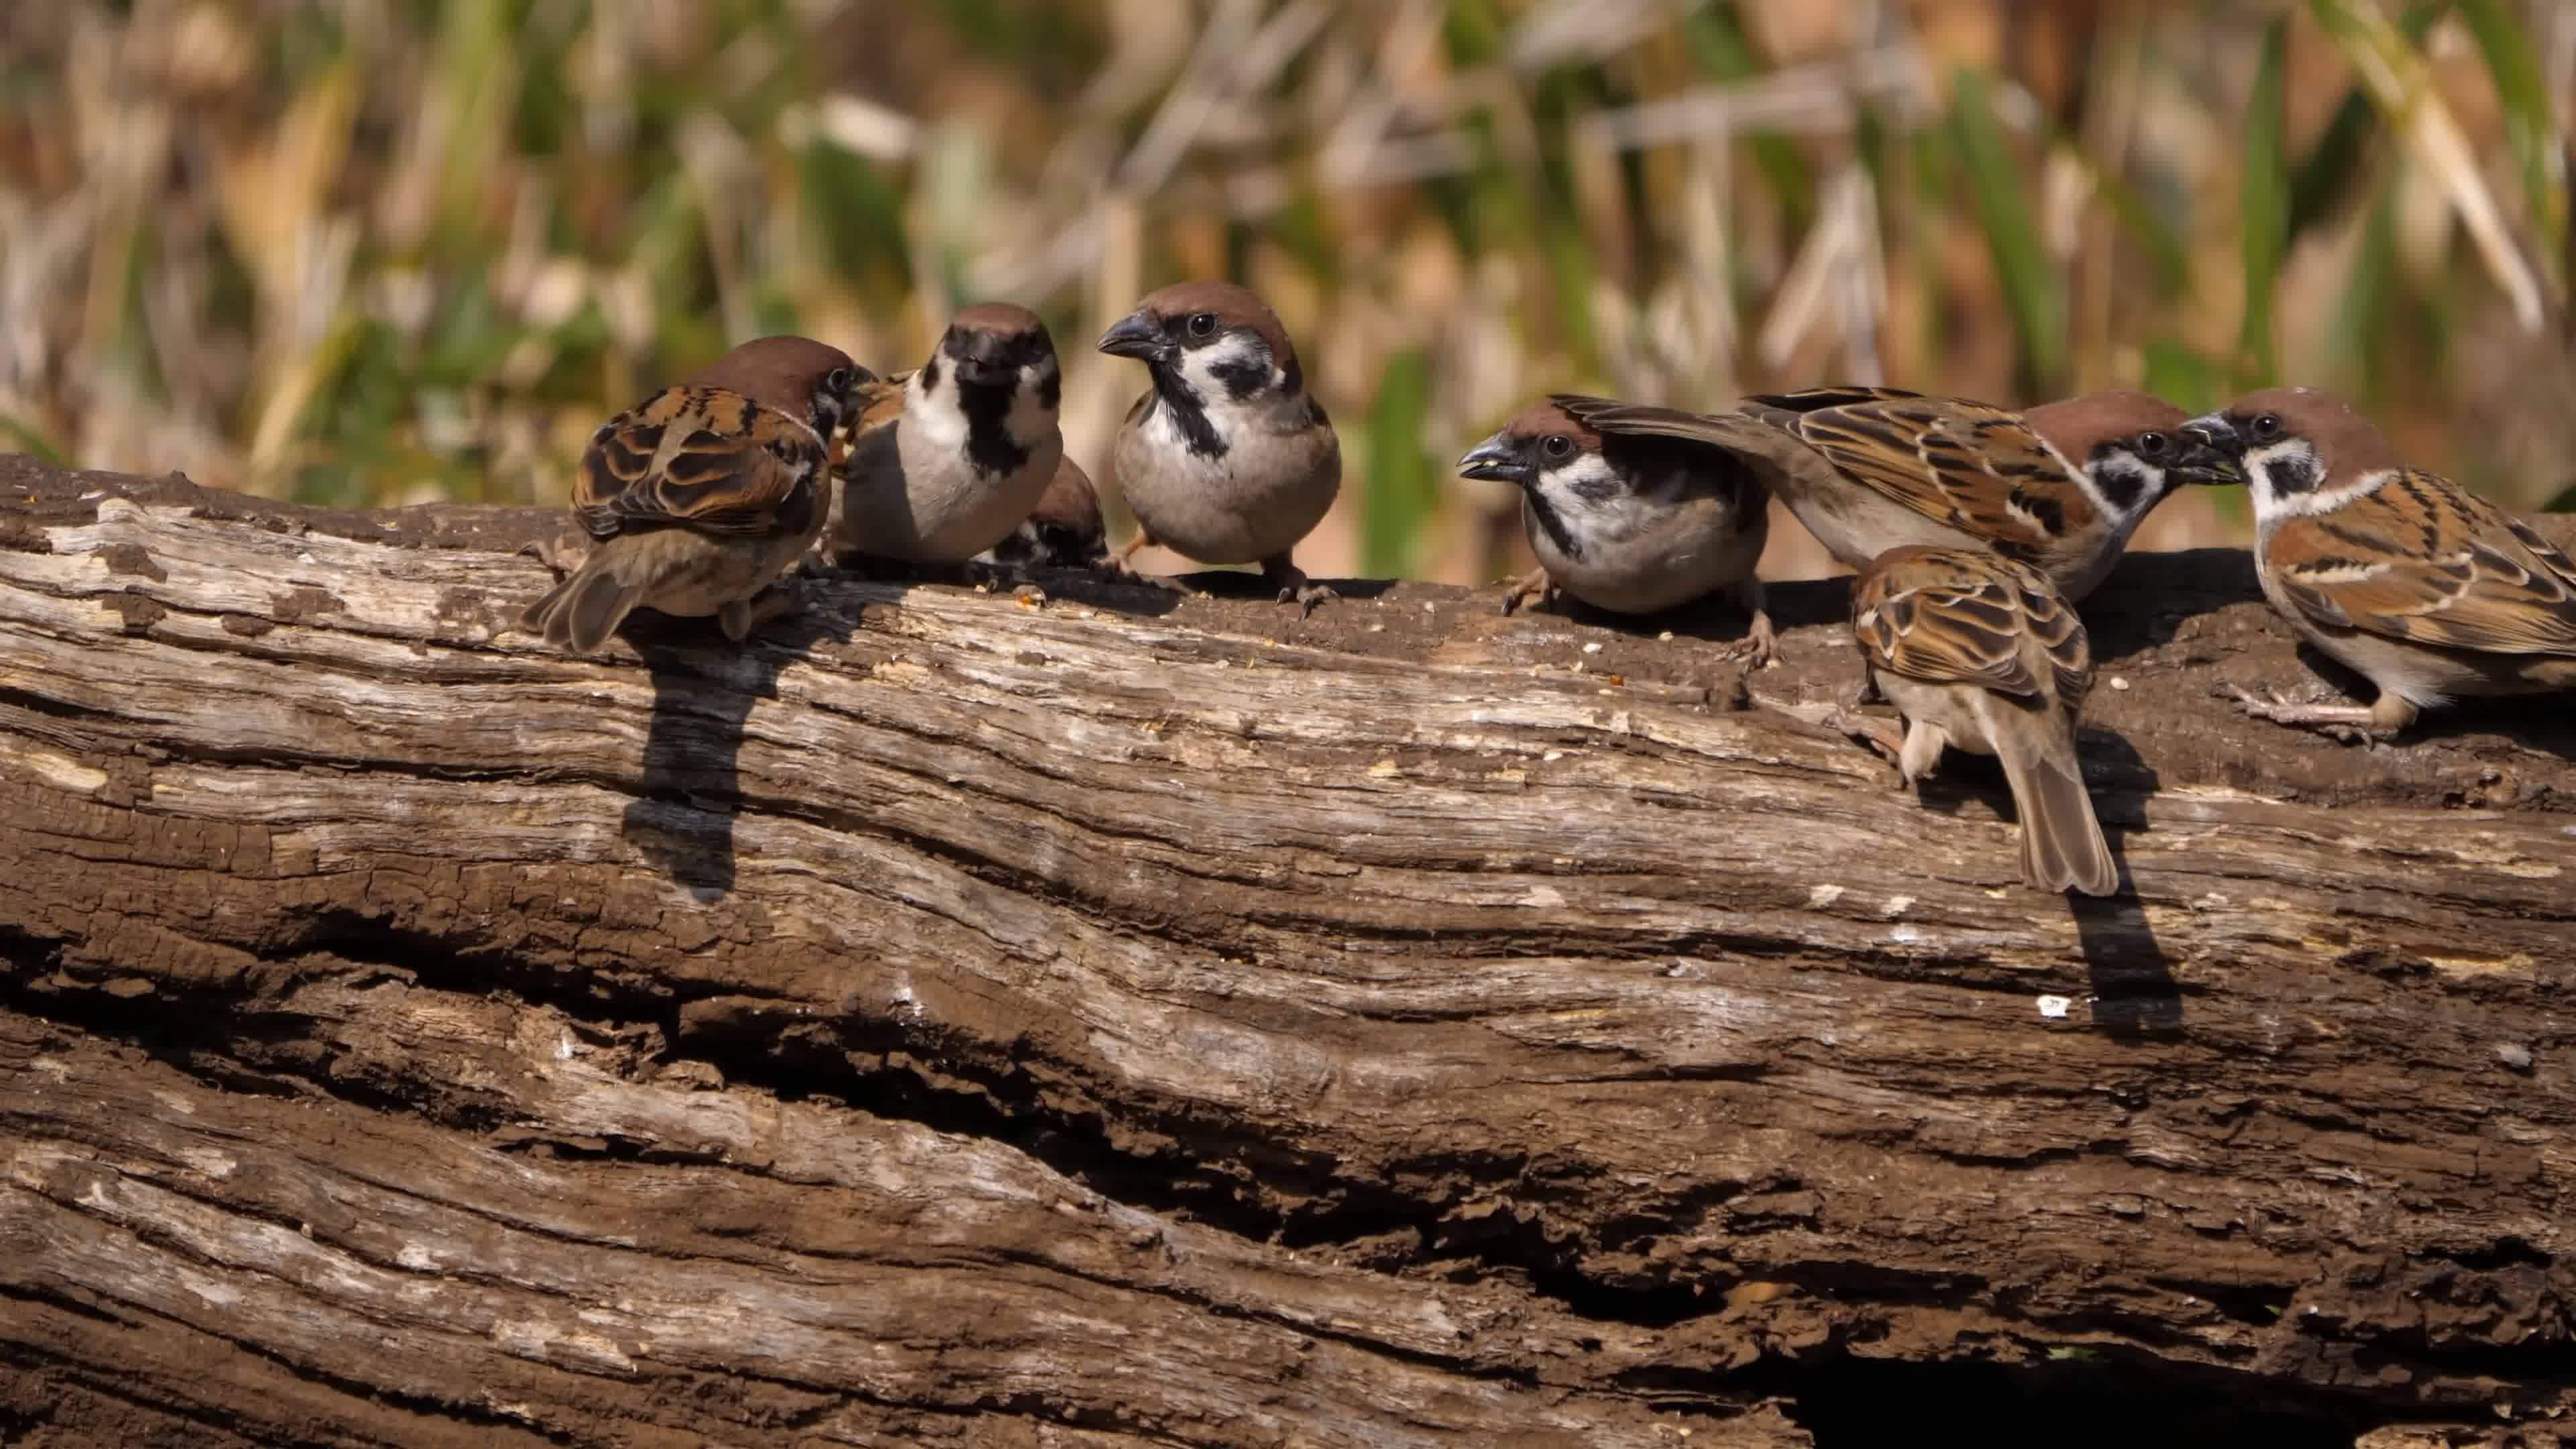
point(958, 1022)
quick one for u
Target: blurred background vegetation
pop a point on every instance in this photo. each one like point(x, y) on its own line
point(362, 251)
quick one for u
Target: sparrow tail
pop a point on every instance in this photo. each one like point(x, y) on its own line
point(2061, 842)
point(582, 611)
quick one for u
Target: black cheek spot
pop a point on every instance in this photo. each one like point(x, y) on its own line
point(1051, 388)
point(1242, 376)
point(2294, 474)
point(2122, 483)
point(930, 373)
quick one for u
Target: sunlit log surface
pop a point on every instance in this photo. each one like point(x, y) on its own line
point(1128, 1021)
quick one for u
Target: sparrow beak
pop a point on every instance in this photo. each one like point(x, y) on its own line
point(2212, 452)
point(1135, 336)
point(1497, 460)
point(2215, 432)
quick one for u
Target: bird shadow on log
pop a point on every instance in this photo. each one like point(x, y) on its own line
point(1249, 584)
point(683, 816)
point(2129, 976)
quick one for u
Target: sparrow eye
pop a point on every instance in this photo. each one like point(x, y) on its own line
point(2268, 426)
point(1202, 324)
point(1557, 446)
point(838, 381)
point(2152, 446)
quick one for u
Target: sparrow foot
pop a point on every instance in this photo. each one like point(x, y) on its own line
point(1306, 596)
point(1534, 587)
point(1294, 586)
point(2349, 724)
point(1760, 646)
point(1116, 571)
point(561, 558)
point(745, 617)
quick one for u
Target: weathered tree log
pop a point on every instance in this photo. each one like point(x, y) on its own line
point(1119, 1022)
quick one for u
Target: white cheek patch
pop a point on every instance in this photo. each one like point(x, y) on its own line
point(2272, 502)
point(931, 414)
point(1612, 515)
point(1207, 368)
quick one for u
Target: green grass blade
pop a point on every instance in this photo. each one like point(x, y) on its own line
point(29, 439)
point(2033, 292)
point(2263, 207)
point(1401, 491)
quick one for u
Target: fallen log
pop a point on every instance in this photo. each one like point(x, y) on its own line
point(1122, 1020)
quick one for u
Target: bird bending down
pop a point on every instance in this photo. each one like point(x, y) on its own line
point(2404, 576)
point(1637, 522)
point(698, 498)
point(2061, 486)
point(1979, 651)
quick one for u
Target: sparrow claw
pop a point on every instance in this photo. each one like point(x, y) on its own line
point(1306, 596)
point(1760, 646)
point(1534, 587)
point(1294, 586)
point(1117, 572)
point(2343, 723)
point(560, 558)
point(745, 617)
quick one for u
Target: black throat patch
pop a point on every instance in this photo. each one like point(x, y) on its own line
point(1553, 524)
point(989, 445)
point(1189, 412)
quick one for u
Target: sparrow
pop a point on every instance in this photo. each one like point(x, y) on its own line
point(2402, 575)
point(2060, 487)
point(1226, 459)
point(1983, 652)
point(698, 498)
point(1064, 533)
point(1635, 522)
point(948, 459)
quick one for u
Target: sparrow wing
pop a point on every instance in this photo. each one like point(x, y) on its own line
point(1816, 399)
point(699, 458)
point(1977, 468)
point(1762, 450)
point(2422, 560)
point(1945, 617)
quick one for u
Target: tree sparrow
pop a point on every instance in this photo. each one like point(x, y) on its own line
point(701, 496)
point(1064, 533)
point(2403, 575)
point(1226, 459)
point(2060, 486)
point(1982, 652)
point(1630, 521)
point(948, 459)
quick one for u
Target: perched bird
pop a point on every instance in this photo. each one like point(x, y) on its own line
point(1226, 459)
point(700, 497)
point(2403, 575)
point(1636, 522)
point(948, 459)
point(2060, 486)
point(1982, 652)
point(1064, 533)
